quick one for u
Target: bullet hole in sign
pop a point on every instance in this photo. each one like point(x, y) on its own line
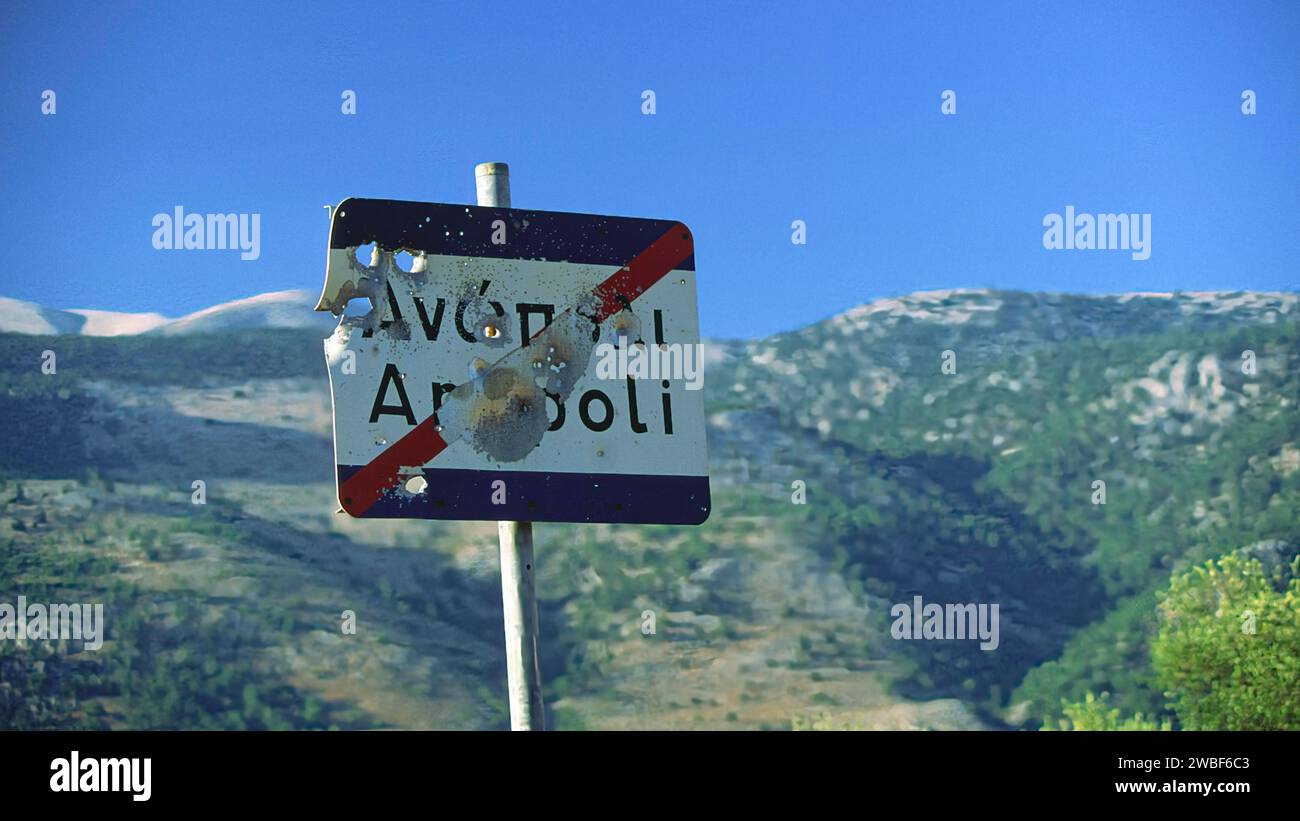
point(365, 254)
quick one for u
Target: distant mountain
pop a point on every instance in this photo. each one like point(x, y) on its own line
point(277, 309)
point(113, 323)
point(21, 317)
point(1057, 455)
point(1017, 317)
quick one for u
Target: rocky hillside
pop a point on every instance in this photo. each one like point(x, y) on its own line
point(949, 444)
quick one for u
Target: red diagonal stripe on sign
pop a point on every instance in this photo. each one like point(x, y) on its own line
point(647, 268)
point(368, 485)
point(423, 442)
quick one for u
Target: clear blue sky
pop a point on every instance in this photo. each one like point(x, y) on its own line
point(767, 113)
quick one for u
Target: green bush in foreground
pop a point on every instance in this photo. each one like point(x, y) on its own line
point(1228, 650)
point(1095, 713)
point(1227, 653)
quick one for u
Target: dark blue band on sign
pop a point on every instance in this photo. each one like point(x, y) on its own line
point(529, 496)
point(468, 230)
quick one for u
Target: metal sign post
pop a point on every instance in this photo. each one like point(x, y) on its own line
point(518, 590)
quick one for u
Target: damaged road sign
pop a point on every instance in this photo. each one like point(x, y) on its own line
point(514, 365)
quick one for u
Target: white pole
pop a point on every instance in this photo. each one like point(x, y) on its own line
point(518, 591)
point(492, 182)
